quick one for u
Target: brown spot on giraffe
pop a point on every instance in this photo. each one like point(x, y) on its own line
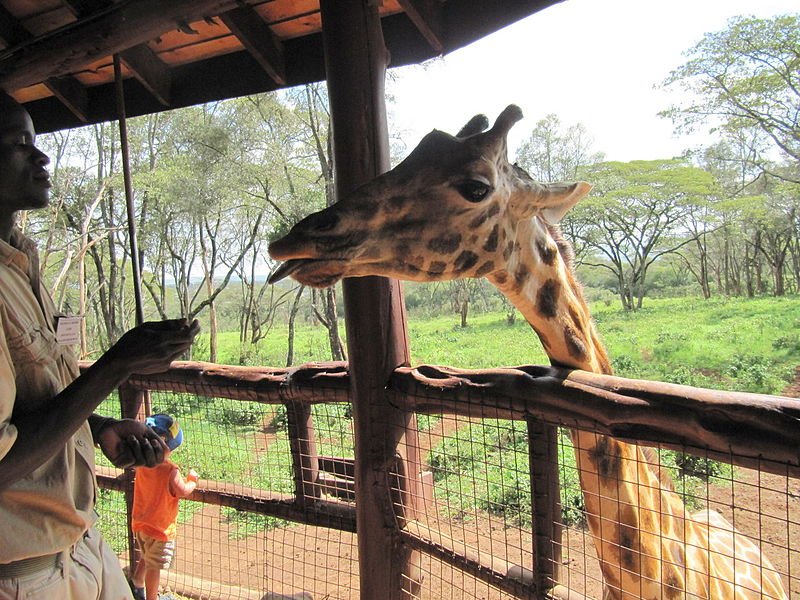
point(445, 244)
point(396, 204)
point(521, 275)
point(485, 268)
point(465, 261)
point(437, 267)
point(606, 457)
point(629, 548)
point(575, 344)
point(491, 241)
point(547, 299)
point(546, 252)
point(508, 250)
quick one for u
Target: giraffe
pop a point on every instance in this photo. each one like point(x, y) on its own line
point(456, 208)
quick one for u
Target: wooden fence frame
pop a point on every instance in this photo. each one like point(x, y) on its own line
point(749, 430)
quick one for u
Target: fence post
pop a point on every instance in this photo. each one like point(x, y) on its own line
point(386, 447)
point(305, 463)
point(545, 503)
point(131, 402)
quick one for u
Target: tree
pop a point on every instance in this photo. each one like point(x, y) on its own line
point(637, 213)
point(553, 154)
point(747, 76)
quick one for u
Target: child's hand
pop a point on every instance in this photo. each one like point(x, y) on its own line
point(192, 475)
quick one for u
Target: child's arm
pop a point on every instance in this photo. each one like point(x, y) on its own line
point(180, 487)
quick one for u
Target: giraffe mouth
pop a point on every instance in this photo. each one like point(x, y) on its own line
point(308, 271)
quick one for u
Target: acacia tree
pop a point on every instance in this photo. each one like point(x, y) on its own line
point(747, 76)
point(636, 214)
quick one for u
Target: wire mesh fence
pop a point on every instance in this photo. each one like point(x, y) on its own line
point(496, 508)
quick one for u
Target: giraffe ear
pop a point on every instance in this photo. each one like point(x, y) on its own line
point(505, 121)
point(559, 198)
point(476, 124)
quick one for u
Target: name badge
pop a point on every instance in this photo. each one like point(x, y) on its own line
point(68, 330)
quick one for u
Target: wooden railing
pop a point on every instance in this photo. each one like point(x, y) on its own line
point(749, 430)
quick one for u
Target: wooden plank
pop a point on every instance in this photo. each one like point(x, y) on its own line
point(255, 35)
point(123, 26)
point(427, 17)
point(749, 430)
point(755, 431)
point(509, 577)
point(67, 89)
point(206, 589)
point(72, 95)
point(153, 74)
point(11, 30)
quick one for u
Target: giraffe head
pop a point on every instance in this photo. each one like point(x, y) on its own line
point(450, 210)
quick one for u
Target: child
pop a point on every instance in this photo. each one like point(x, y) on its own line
point(155, 509)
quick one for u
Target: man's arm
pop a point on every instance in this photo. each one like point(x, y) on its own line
point(149, 348)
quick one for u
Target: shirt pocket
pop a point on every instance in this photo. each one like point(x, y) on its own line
point(35, 354)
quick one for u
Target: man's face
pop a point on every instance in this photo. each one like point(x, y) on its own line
point(24, 180)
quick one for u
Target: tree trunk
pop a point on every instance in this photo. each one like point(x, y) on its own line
point(292, 316)
point(332, 320)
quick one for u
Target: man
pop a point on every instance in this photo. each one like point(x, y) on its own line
point(48, 545)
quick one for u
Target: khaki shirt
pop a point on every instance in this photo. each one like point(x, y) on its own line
point(50, 509)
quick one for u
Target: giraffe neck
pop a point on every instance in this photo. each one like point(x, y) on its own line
point(634, 518)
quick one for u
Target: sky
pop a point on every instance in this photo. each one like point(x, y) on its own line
point(595, 62)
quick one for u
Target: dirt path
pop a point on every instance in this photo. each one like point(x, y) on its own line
point(324, 563)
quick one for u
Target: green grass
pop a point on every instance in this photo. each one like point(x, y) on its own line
point(734, 344)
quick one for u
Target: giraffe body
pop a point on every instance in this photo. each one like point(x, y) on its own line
point(456, 208)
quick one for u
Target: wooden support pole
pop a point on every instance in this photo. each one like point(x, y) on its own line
point(545, 500)
point(305, 464)
point(355, 60)
point(131, 401)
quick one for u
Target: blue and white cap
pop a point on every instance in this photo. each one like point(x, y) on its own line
point(167, 427)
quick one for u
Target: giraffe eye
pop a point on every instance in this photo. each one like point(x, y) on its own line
point(473, 190)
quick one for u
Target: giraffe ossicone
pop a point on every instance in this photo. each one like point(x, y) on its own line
point(456, 208)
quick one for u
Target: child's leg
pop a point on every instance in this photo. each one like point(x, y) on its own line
point(152, 578)
point(138, 572)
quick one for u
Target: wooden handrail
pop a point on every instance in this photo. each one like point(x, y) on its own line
point(749, 430)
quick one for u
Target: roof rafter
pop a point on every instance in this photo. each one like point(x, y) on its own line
point(120, 27)
point(67, 89)
point(427, 17)
point(150, 70)
point(143, 63)
point(255, 35)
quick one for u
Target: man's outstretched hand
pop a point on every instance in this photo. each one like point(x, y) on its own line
point(129, 443)
point(152, 346)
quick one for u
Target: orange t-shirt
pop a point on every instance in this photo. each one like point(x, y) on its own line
point(155, 508)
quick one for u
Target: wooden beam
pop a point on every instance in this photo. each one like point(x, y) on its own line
point(67, 89)
point(122, 26)
point(72, 94)
point(387, 447)
point(145, 65)
point(427, 17)
point(11, 31)
point(82, 8)
point(150, 70)
point(255, 35)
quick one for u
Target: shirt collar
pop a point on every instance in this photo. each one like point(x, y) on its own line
point(18, 252)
